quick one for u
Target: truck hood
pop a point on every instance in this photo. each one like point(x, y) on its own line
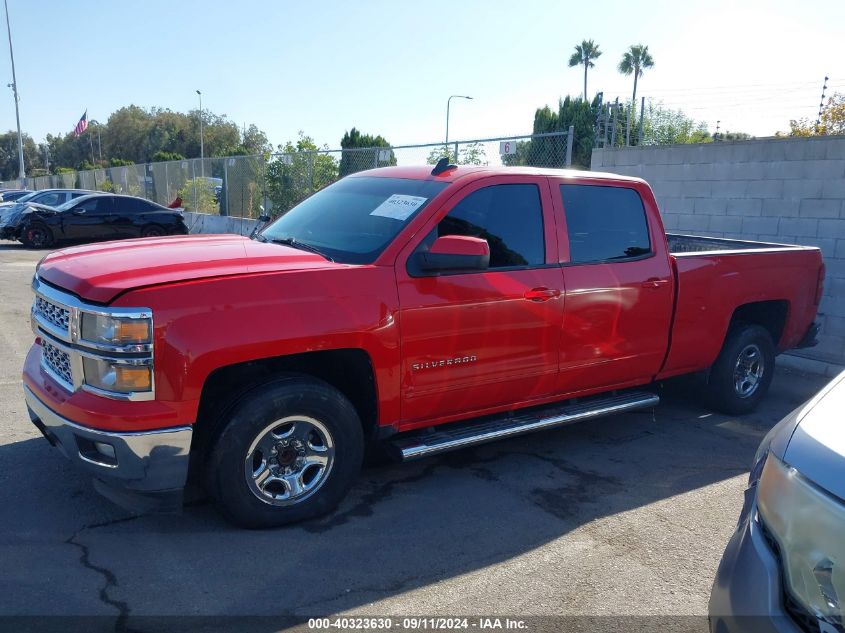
point(100, 272)
point(817, 446)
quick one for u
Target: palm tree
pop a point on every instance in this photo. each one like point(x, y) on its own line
point(585, 53)
point(635, 60)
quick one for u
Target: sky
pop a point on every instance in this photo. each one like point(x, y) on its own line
point(388, 67)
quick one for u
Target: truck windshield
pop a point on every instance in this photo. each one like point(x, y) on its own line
point(353, 220)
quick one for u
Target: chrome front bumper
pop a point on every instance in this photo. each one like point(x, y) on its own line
point(142, 471)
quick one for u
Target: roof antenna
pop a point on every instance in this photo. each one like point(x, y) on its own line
point(441, 166)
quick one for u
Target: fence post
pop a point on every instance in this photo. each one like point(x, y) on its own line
point(642, 110)
point(311, 158)
point(224, 192)
point(570, 137)
point(194, 181)
point(613, 129)
point(457, 160)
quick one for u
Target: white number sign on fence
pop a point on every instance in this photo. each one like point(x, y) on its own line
point(507, 147)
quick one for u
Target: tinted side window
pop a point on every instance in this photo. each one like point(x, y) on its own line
point(604, 223)
point(104, 204)
point(52, 199)
point(509, 217)
point(129, 205)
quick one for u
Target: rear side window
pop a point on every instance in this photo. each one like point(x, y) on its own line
point(509, 217)
point(51, 199)
point(604, 223)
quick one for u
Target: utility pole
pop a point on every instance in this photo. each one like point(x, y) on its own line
point(14, 87)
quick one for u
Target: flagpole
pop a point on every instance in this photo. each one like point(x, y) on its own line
point(14, 86)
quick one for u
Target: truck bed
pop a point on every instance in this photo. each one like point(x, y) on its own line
point(696, 244)
point(715, 276)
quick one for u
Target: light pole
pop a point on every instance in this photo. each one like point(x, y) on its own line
point(14, 87)
point(202, 149)
point(448, 103)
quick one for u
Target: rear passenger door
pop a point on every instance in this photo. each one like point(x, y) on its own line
point(619, 290)
point(127, 216)
point(477, 340)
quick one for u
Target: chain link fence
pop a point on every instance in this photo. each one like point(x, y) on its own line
point(249, 186)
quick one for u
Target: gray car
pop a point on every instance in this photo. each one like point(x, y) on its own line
point(784, 568)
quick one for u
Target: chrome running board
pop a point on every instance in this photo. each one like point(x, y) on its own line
point(462, 434)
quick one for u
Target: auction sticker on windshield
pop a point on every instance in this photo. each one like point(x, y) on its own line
point(399, 206)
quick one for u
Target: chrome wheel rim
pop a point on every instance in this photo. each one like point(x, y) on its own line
point(289, 460)
point(749, 370)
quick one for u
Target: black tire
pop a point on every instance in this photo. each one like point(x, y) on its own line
point(37, 235)
point(153, 231)
point(741, 375)
point(260, 412)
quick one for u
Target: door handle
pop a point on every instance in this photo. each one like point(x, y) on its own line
point(655, 283)
point(541, 294)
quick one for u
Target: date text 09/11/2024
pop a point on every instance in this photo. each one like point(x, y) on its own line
point(416, 623)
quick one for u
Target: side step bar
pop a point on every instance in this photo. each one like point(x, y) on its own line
point(463, 434)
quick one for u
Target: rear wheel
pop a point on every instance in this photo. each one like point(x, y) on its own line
point(742, 373)
point(37, 236)
point(290, 450)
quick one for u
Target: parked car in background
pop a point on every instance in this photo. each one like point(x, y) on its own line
point(98, 216)
point(11, 213)
point(784, 568)
point(52, 197)
point(12, 195)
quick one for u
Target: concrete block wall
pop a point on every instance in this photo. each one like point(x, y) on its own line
point(207, 223)
point(776, 190)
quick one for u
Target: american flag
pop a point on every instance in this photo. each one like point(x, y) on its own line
point(82, 125)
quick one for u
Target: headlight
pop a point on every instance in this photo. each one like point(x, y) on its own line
point(104, 329)
point(808, 525)
point(117, 377)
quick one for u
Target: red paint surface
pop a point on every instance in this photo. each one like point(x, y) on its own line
point(519, 337)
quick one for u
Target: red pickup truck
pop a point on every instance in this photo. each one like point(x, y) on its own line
point(415, 309)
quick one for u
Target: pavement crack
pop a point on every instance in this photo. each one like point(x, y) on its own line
point(122, 607)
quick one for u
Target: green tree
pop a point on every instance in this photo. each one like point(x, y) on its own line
point(299, 169)
point(634, 62)
point(832, 120)
point(468, 154)
point(162, 156)
point(361, 151)
point(585, 53)
point(33, 157)
point(664, 126)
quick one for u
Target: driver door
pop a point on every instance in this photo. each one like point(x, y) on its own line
point(473, 341)
point(90, 219)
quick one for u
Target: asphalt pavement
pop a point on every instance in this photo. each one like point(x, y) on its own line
point(623, 516)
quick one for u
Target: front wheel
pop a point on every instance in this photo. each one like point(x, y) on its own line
point(290, 451)
point(741, 375)
point(37, 236)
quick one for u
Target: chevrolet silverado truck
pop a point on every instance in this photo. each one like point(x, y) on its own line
point(403, 308)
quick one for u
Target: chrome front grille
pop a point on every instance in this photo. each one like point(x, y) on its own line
point(57, 361)
point(56, 315)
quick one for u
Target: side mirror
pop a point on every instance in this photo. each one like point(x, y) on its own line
point(263, 218)
point(78, 211)
point(456, 253)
